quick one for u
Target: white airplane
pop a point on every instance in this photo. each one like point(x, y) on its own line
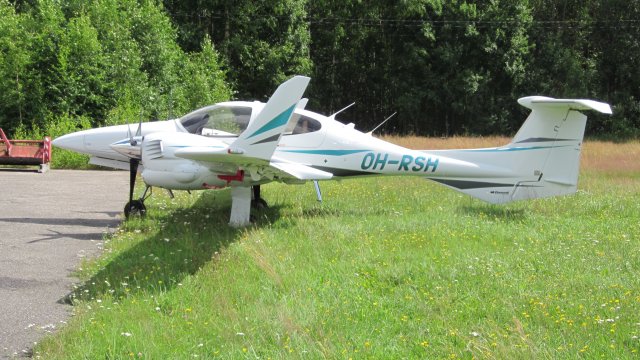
point(242, 145)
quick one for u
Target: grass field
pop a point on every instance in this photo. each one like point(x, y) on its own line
point(384, 268)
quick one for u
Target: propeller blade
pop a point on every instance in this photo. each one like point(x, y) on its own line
point(129, 134)
point(139, 131)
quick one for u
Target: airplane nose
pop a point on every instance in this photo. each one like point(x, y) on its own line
point(74, 142)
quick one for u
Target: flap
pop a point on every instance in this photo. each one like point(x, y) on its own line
point(302, 172)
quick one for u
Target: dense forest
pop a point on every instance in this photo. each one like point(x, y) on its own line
point(446, 66)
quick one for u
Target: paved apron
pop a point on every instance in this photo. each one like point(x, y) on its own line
point(48, 223)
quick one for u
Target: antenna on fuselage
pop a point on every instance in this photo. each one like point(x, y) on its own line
point(382, 123)
point(333, 117)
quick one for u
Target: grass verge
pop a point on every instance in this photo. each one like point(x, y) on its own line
point(385, 268)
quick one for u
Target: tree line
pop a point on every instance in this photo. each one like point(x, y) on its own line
point(445, 66)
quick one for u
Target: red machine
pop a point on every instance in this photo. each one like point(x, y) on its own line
point(25, 152)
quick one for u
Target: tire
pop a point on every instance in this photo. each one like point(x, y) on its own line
point(135, 208)
point(259, 204)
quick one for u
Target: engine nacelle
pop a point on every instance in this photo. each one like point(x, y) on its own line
point(182, 176)
point(163, 169)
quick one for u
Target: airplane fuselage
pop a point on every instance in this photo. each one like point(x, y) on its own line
point(329, 145)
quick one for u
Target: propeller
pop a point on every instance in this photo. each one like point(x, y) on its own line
point(133, 139)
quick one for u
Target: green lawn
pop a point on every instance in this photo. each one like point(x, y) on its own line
point(384, 268)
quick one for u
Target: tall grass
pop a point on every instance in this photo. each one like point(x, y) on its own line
point(385, 268)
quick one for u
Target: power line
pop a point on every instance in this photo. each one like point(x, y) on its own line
point(412, 23)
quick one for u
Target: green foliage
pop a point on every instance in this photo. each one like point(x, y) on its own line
point(263, 42)
point(206, 80)
point(443, 76)
point(14, 59)
point(446, 66)
point(111, 61)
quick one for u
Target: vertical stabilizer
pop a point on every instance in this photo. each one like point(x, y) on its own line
point(542, 160)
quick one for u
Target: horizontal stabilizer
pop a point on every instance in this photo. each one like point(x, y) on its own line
point(533, 102)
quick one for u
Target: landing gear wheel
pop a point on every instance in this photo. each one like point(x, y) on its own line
point(135, 208)
point(259, 204)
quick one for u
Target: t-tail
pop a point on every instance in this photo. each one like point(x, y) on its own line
point(542, 160)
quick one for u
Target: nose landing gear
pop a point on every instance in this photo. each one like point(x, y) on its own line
point(135, 207)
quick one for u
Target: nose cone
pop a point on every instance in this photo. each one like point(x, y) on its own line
point(73, 142)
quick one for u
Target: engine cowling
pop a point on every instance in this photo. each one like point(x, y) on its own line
point(163, 169)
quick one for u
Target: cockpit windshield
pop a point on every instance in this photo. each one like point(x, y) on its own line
point(217, 120)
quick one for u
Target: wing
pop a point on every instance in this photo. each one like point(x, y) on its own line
point(253, 150)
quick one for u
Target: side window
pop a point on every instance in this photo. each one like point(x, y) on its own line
point(304, 125)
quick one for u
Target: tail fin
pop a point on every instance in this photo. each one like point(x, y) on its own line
point(262, 135)
point(541, 161)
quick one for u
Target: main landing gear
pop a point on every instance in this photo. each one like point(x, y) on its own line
point(256, 201)
point(243, 198)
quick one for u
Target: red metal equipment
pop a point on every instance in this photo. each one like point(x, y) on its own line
point(25, 152)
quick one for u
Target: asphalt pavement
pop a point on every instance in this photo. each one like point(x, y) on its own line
point(48, 223)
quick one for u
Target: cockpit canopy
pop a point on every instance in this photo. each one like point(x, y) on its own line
point(217, 120)
point(232, 120)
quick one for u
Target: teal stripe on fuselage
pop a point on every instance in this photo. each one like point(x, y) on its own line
point(277, 121)
point(326, 152)
point(515, 148)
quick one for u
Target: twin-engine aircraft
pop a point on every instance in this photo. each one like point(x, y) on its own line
point(243, 145)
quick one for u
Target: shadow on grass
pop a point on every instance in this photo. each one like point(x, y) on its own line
point(184, 241)
point(494, 211)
